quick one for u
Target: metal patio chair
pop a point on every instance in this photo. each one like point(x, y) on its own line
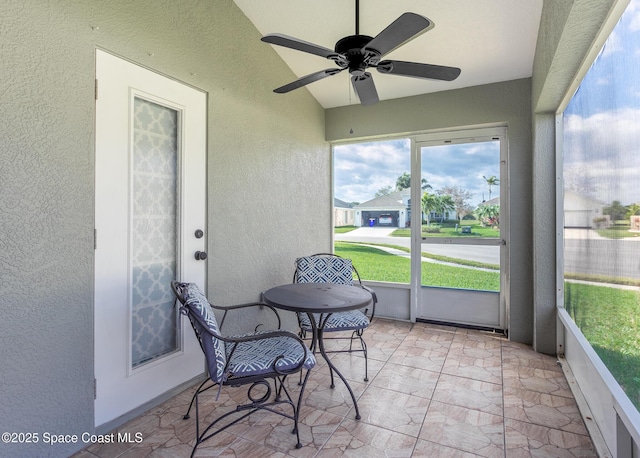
point(258, 360)
point(331, 268)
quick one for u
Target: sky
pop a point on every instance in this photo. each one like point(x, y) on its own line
point(360, 170)
point(602, 121)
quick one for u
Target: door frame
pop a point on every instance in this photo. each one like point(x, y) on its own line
point(452, 137)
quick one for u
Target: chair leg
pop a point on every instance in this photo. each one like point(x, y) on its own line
point(303, 335)
point(366, 359)
point(296, 413)
point(252, 406)
point(363, 345)
point(193, 398)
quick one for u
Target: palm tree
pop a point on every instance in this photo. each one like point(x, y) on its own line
point(491, 181)
point(429, 204)
point(437, 203)
point(445, 204)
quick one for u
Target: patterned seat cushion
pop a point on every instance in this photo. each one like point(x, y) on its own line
point(343, 321)
point(256, 357)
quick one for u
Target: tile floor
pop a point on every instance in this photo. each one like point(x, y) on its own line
point(433, 391)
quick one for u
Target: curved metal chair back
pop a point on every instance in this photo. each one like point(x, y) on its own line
point(259, 358)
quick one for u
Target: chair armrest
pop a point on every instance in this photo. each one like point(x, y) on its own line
point(245, 305)
point(375, 299)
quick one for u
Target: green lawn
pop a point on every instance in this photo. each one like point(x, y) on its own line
point(449, 230)
point(610, 320)
point(378, 265)
point(617, 231)
point(344, 229)
point(608, 317)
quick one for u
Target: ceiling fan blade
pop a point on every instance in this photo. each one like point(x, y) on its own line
point(417, 70)
point(299, 45)
point(403, 29)
point(306, 80)
point(365, 89)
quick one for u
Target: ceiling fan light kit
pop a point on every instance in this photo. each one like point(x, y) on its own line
point(356, 53)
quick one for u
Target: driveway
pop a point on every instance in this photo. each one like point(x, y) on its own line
point(370, 232)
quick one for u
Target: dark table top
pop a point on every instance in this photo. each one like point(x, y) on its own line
point(317, 297)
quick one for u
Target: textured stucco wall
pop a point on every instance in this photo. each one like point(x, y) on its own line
point(502, 103)
point(269, 194)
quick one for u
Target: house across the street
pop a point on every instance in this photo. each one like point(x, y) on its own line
point(390, 210)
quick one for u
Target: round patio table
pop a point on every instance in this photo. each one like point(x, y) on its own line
point(323, 298)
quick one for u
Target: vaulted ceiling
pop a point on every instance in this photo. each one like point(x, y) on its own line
point(489, 40)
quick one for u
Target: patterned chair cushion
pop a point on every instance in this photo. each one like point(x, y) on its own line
point(343, 321)
point(201, 314)
point(324, 269)
point(256, 357)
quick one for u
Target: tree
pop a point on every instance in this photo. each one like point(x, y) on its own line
point(491, 181)
point(616, 211)
point(384, 191)
point(429, 204)
point(632, 210)
point(436, 203)
point(460, 199)
point(404, 182)
point(445, 205)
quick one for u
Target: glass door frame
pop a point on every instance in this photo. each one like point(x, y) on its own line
point(457, 137)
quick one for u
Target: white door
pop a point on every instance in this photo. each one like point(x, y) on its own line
point(150, 217)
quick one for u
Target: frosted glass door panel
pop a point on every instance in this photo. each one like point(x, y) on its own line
point(153, 229)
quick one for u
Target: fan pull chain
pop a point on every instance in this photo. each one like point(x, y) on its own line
point(350, 107)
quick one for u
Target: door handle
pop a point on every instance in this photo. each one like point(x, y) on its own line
point(200, 255)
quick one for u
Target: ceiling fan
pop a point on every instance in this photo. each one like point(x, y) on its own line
point(357, 53)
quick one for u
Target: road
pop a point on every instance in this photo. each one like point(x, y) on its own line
point(479, 253)
point(585, 251)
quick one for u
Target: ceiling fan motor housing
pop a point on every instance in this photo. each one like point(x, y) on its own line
point(357, 60)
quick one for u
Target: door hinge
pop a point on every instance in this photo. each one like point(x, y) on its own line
point(96, 89)
point(95, 239)
point(95, 389)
